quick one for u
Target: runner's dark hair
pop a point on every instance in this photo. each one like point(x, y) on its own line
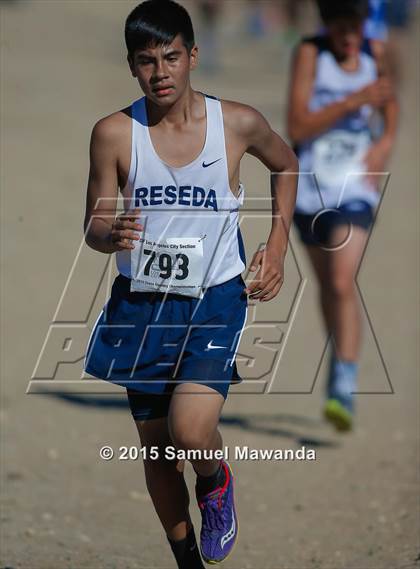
point(332, 9)
point(157, 22)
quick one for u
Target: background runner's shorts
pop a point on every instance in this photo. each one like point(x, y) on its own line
point(149, 342)
point(318, 232)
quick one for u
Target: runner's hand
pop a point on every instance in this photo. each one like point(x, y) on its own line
point(376, 93)
point(124, 229)
point(269, 278)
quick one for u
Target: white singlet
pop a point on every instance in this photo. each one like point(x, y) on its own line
point(191, 238)
point(336, 156)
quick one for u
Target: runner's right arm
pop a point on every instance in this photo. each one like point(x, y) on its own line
point(303, 123)
point(104, 232)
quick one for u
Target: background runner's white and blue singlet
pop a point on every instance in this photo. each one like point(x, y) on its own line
point(191, 238)
point(336, 156)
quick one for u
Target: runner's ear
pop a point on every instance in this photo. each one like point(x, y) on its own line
point(130, 64)
point(193, 58)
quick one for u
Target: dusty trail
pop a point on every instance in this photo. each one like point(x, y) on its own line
point(64, 508)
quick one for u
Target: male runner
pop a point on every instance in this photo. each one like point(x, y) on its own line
point(170, 331)
point(338, 81)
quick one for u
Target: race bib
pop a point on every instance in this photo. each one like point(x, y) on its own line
point(337, 154)
point(172, 265)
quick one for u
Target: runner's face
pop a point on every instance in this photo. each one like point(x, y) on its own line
point(163, 72)
point(346, 35)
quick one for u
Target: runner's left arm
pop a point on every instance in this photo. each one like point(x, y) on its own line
point(266, 145)
point(380, 151)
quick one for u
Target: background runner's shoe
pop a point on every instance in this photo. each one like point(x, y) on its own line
point(219, 522)
point(338, 415)
point(339, 408)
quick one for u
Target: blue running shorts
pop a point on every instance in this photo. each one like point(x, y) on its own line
point(149, 342)
point(315, 229)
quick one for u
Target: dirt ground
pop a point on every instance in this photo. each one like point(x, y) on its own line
point(356, 505)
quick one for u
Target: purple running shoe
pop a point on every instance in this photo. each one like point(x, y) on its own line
point(219, 528)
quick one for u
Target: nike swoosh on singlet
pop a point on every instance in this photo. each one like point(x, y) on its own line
point(210, 163)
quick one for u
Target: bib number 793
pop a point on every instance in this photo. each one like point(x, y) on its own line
point(166, 264)
point(173, 265)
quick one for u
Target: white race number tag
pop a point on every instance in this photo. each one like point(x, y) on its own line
point(337, 154)
point(174, 265)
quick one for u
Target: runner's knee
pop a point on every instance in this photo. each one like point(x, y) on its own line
point(342, 286)
point(187, 435)
point(155, 438)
